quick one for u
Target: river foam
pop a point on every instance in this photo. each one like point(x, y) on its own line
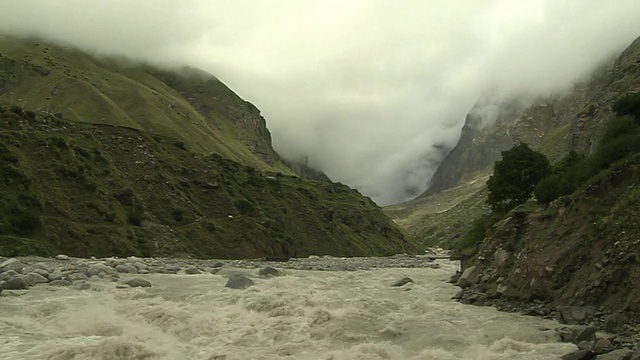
point(327, 315)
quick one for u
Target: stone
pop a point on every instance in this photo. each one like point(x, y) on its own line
point(171, 269)
point(12, 264)
point(239, 282)
point(41, 272)
point(614, 322)
point(269, 271)
point(61, 282)
point(454, 278)
point(36, 278)
point(500, 257)
point(467, 279)
point(217, 264)
point(403, 281)
point(601, 345)
point(16, 283)
point(138, 283)
point(41, 266)
point(579, 355)
point(62, 257)
point(97, 269)
point(192, 270)
point(620, 354)
point(586, 345)
point(573, 315)
point(576, 334)
point(126, 268)
point(56, 275)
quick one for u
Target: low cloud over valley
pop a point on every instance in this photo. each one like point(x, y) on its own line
point(371, 91)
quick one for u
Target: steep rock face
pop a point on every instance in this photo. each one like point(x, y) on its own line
point(102, 190)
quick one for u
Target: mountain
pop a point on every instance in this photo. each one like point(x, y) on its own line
point(103, 156)
point(583, 249)
point(553, 125)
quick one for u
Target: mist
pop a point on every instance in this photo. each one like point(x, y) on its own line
point(371, 91)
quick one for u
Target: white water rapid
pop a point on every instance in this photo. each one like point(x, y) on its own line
point(302, 315)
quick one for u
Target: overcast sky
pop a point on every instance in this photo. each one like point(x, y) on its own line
point(365, 89)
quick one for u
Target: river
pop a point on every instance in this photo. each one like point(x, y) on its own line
point(326, 315)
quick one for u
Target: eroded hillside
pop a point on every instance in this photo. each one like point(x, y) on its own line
point(103, 190)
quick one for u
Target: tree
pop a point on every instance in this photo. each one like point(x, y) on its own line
point(548, 189)
point(515, 176)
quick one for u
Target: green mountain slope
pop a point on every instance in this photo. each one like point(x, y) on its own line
point(194, 107)
point(554, 126)
point(102, 190)
point(108, 157)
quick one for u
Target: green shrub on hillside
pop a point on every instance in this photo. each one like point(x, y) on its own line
point(628, 105)
point(515, 177)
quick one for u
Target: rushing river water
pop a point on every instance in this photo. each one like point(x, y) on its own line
point(302, 315)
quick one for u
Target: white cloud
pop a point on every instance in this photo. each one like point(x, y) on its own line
point(365, 88)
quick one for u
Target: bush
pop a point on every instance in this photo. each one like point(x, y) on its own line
point(548, 189)
point(628, 105)
point(515, 176)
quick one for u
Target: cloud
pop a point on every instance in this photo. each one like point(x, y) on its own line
point(364, 88)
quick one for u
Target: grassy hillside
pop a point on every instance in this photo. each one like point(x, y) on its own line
point(86, 189)
point(194, 107)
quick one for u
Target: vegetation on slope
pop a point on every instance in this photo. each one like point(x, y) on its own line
point(620, 142)
point(194, 107)
point(103, 190)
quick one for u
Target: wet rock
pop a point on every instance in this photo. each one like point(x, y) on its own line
point(467, 278)
point(573, 315)
point(170, 269)
point(98, 269)
point(56, 275)
point(239, 282)
point(16, 283)
point(269, 271)
point(620, 354)
point(217, 264)
point(614, 322)
point(579, 355)
point(36, 278)
point(192, 270)
point(454, 278)
point(586, 345)
point(138, 283)
point(60, 282)
point(403, 281)
point(126, 268)
point(577, 334)
point(12, 264)
point(62, 257)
